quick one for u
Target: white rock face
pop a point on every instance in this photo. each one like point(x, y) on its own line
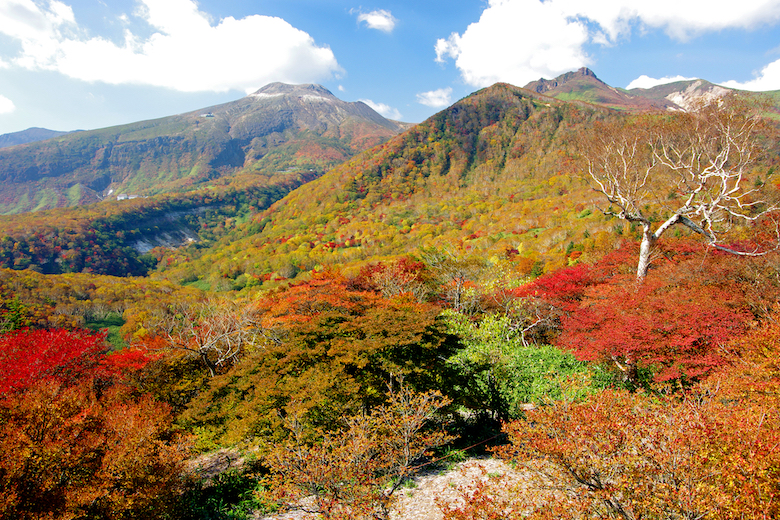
point(694, 95)
point(320, 99)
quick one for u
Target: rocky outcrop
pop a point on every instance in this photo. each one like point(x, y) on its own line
point(544, 85)
point(696, 93)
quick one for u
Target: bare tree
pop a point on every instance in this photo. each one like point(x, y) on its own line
point(458, 277)
point(395, 279)
point(355, 472)
point(693, 169)
point(216, 331)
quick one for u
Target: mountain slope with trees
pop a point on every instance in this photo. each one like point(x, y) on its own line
point(494, 172)
point(279, 128)
point(460, 286)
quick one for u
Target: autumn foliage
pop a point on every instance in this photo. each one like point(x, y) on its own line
point(674, 326)
point(330, 348)
point(75, 440)
point(677, 332)
point(712, 452)
point(474, 268)
point(30, 356)
point(72, 452)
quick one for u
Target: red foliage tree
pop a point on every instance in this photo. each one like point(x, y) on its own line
point(677, 332)
point(76, 441)
point(29, 356)
point(672, 327)
point(563, 288)
point(711, 454)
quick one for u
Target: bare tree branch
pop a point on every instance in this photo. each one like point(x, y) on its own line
point(216, 331)
point(703, 160)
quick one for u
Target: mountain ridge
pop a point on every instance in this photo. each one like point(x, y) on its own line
point(278, 128)
point(29, 135)
point(584, 85)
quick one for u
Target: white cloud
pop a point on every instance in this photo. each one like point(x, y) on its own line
point(25, 21)
point(521, 40)
point(767, 79)
point(517, 42)
point(644, 81)
point(436, 98)
point(385, 110)
point(380, 20)
point(185, 51)
point(679, 20)
point(6, 105)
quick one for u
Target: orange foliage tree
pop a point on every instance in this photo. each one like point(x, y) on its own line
point(331, 348)
point(75, 441)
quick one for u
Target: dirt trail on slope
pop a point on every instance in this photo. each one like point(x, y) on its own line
point(417, 501)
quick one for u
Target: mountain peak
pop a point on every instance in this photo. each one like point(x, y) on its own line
point(543, 85)
point(285, 89)
point(30, 135)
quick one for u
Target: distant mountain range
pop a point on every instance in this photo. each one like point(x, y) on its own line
point(287, 181)
point(28, 136)
point(280, 128)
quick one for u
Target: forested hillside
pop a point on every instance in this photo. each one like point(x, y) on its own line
point(118, 237)
point(588, 294)
point(493, 173)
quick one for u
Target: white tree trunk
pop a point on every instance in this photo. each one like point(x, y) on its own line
point(645, 248)
point(644, 259)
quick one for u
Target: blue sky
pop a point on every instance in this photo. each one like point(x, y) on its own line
point(83, 64)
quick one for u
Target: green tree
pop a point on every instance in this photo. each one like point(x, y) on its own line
point(501, 375)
